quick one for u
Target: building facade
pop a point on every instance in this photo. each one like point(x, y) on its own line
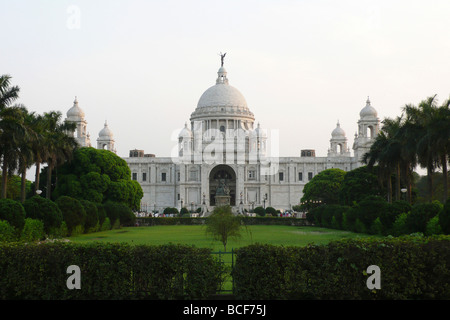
point(225, 158)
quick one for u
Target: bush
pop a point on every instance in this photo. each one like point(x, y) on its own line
point(411, 269)
point(271, 210)
point(101, 213)
point(13, 212)
point(7, 232)
point(420, 215)
point(170, 210)
point(33, 230)
point(370, 208)
point(444, 218)
point(260, 211)
point(433, 227)
point(119, 214)
point(393, 210)
point(108, 271)
point(91, 215)
point(43, 209)
point(399, 226)
point(73, 212)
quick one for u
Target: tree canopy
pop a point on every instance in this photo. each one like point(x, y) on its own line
point(98, 176)
point(324, 187)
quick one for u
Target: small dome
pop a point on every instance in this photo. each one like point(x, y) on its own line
point(185, 132)
point(338, 132)
point(368, 111)
point(258, 132)
point(105, 133)
point(75, 113)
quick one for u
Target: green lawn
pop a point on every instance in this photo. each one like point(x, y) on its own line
point(195, 235)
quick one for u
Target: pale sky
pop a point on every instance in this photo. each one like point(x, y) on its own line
point(301, 65)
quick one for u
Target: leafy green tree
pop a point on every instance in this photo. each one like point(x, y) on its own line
point(91, 215)
point(358, 184)
point(260, 211)
point(271, 210)
point(98, 176)
point(73, 212)
point(43, 209)
point(222, 224)
point(444, 217)
point(13, 212)
point(323, 188)
point(420, 215)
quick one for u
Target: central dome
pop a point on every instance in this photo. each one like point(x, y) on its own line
point(222, 100)
point(222, 95)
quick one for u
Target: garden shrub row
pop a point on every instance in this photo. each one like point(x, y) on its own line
point(410, 268)
point(152, 221)
point(107, 271)
point(374, 215)
point(38, 218)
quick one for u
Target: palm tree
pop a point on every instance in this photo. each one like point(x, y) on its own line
point(26, 152)
point(386, 152)
point(60, 145)
point(10, 126)
point(426, 116)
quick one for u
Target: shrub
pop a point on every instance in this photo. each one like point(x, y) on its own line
point(433, 226)
point(183, 211)
point(420, 215)
point(101, 213)
point(106, 225)
point(91, 215)
point(73, 212)
point(399, 225)
point(370, 208)
point(13, 212)
point(271, 210)
point(444, 218)
point(41, 208)
point(391, 212)
point(170, 210)
point(260, 211)
point(7, 232)
point(412, 268)
point(119, 214)
point(33, 230)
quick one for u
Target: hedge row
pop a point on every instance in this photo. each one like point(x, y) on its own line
point(374, 215)
point(410, 268)
point(151, 221)
point(108, 271)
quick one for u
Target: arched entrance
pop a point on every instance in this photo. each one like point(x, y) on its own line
point(222, 180)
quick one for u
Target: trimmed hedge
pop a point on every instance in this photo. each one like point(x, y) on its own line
point(411, 268)
point(151, 221)
point(108, 271)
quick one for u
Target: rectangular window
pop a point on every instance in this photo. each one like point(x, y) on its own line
point(310, 175)
point(144, 176)
point(251, 174)
point(134, 176)
point(300, 176)
point(163, 176)
point(193, 175)
point(281, 176)
point(178, 178)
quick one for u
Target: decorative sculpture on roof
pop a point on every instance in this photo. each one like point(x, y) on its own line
point(222, 56)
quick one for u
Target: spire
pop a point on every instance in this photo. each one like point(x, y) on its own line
point(368, 101)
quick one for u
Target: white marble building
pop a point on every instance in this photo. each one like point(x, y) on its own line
point(222, 143)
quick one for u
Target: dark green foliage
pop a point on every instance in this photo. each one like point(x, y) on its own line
point(91, 214)
point(260, 211)
point(370, 208)
point(444, 218)
point(73, 212)
point(271, 210)
point(41, 208)
point(420, 214)
point(101, 213)
point(392, 211)
point(324, 187)
point(358, 184)
point(108, 272)
point(13, 212)
point(7, 232)
point(411, 268)
point(117, 211)
point(98, 176)
point(33, 230)
point(171, 210)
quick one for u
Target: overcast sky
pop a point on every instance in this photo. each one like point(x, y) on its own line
point(301, 65)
